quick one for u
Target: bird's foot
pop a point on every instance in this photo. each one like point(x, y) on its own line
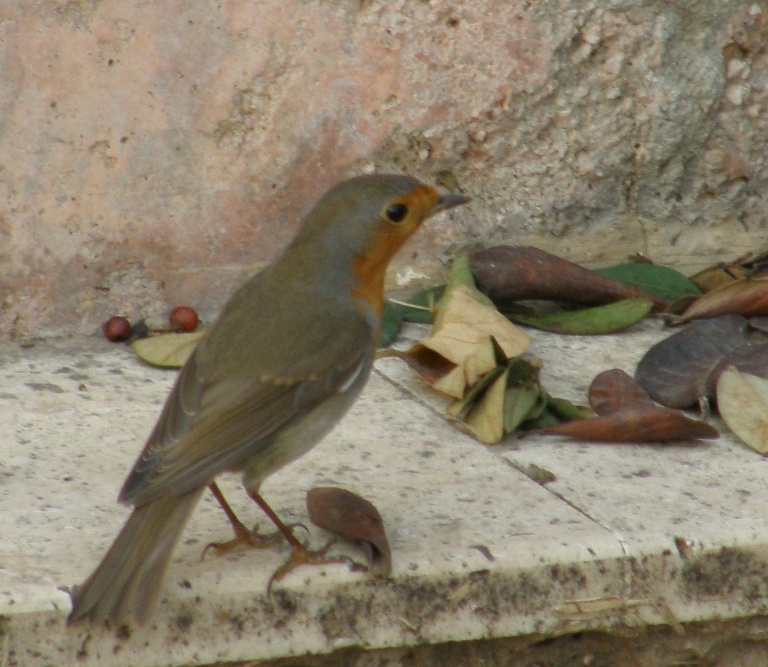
point(244, 538)
point(301, 555)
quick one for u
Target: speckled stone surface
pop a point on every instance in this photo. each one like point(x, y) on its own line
point(626, 534)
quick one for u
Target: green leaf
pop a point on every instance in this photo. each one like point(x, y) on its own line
point(655, 279)
point(520, 403)
point(391, 323)
point(421, 306)
point(167, 350)
point(567, 411)
point(589, 321)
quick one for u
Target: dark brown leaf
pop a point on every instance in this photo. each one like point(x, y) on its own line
point(643, 424)
point(513, 273)
point(616, 390)
point(683, 369)
point(347, 515)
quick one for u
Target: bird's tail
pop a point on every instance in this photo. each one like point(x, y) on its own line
point(127, 581)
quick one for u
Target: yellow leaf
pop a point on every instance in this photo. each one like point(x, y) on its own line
point(487, 418)
point(452, 383)
point(463, 336)
point(167, 350)
point(742, 400)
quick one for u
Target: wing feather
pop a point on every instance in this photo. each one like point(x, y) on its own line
point(209, 425)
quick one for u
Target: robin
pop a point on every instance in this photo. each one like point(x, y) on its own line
point(286, 359)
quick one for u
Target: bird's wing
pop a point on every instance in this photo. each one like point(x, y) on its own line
point(214, 421)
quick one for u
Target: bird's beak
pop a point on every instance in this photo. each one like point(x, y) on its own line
point(448, 201)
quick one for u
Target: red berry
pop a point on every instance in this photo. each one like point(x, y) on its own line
point(183, 318)
point(117, 329)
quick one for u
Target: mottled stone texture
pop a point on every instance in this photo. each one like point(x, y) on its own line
point(155, 153)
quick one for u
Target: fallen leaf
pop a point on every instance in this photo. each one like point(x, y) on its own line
point(486, 419)
point(464, 333)
point(723, 273)
point(167, 350)
point(605, 319)
point(512, 273)
point(354, 518)
point(746, 297)
point(565, 410)
point(718, 276)
point(615, 390)
point(427, 363)
point(460, 276)
point(742, 400)
point(420, 307)
point(538, 474)
point(656, 279)
point(520, 405)
point(683, 369)
point(641, 424)
point(460, 408)
point(627, 414)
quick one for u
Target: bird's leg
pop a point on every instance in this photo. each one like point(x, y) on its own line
point(243, 536)
point(301, 554)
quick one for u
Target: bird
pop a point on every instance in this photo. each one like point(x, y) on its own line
point(286, 358)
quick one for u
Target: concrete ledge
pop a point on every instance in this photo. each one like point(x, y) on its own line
point(626, 537)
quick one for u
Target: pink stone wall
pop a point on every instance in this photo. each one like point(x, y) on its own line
point(156, 153)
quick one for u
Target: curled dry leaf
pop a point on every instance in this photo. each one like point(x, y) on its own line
point(463, 338)
point(167, 350)
point(742, 400)
point(513, 273)
point(718, 276)
point(724, 273)
point(746, 297)
point(501, 400)
point(459, 350)
point(427, 363)
point(354, 518)
point(683, 369)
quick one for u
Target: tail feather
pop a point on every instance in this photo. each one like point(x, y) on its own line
point(128, 579)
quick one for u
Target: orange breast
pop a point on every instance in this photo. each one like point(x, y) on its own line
point(370, 267)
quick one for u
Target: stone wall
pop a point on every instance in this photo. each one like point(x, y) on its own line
point(156, 153)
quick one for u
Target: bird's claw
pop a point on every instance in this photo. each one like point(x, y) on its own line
point(244, 538)
point(303, 556)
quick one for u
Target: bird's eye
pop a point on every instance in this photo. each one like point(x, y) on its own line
point(396, 212)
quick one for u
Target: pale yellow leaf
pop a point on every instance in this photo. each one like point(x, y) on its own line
point(167, 350)
point(742, 400)
point(487, 418)
point(452, 383)
point(463, 336)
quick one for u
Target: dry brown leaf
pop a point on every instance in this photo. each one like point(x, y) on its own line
point(742, 400)
point(615, 390)
point(427, 363)
point(513, 273)
point(746, 297)
point(354, 518)
point(464, 336)
point(642, 424)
